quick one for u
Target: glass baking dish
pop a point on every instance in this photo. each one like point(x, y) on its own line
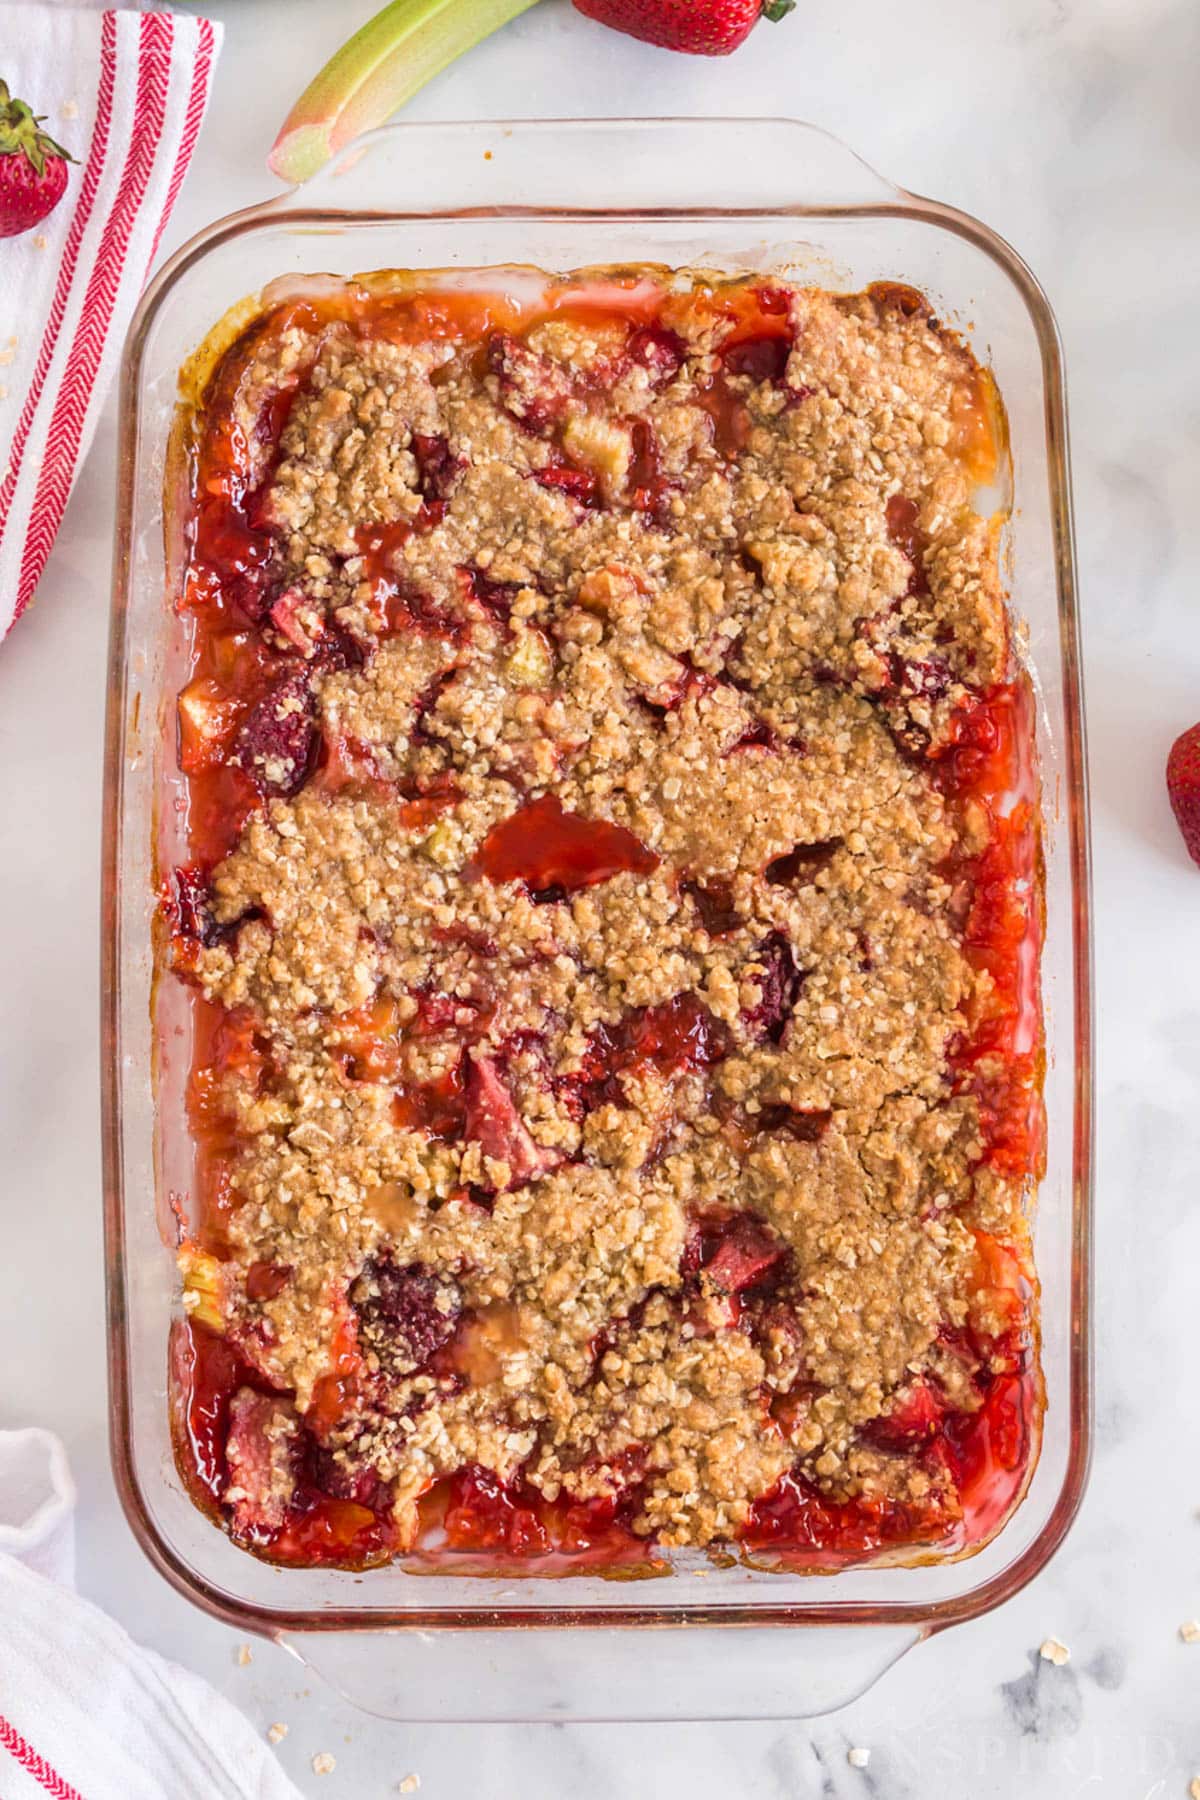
point(728, 194)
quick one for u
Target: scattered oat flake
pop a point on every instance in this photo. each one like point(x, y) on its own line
point(7, 354)
point(323, 1763)
point(3, 391)
point(1194, 1787)
point(40, 240)
point(245, 1655)
point(1056, 1653)
point(858, 1758)
point(276, 1733)
point(1189, 1631)
point(410, 1784)
point(69, 109)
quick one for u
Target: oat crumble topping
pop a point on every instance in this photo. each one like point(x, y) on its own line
point(588, 957)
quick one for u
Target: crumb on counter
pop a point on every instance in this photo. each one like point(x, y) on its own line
point(1054, 1652)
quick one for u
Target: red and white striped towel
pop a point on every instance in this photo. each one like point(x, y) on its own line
point(125, 93)
point(85, 1713)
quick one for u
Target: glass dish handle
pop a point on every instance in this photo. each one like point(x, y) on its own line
point(603, 1673)
point(615, 166)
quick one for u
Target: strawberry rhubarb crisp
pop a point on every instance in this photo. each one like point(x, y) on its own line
point(611, 928)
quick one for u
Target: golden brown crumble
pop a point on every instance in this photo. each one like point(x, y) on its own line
point(746, 674)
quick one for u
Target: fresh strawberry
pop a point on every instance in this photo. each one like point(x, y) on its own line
point(33, 168)
point(700, 27)
point(1183, 787)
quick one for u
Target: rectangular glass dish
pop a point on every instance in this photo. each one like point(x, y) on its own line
point(544, 196)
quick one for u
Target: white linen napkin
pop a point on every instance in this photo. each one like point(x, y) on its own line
point(125, 93)
point(85, 1714)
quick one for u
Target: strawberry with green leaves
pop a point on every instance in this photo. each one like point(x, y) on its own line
point(33, 168)
point(699, 27)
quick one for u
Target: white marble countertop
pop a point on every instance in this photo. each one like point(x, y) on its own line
point(1072, 126)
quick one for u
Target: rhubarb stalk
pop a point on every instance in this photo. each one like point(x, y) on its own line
point(377, 70)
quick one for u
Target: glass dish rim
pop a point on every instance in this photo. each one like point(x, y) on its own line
point(891, 202)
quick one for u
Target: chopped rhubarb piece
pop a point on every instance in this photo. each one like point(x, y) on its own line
point(405, 1313)
point(297, 619)
point(801, 866)
point(732, 1263)
point(208, 717)
point(438, 468)
point(779, 980)
point(745, 1250)
point(277, 740)
point(554, 852)
point(533, 389)
point(261, 1453)
point(494, 1123)
point(913, 1420)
